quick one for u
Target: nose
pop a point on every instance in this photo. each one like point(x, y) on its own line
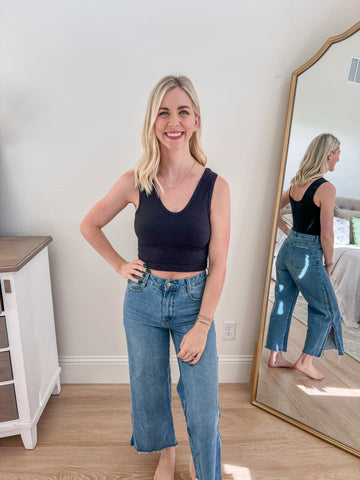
point(173, 119)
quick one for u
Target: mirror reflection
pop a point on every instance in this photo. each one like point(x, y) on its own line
point(325, 397)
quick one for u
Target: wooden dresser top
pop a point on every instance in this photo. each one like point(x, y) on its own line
point(15, 252)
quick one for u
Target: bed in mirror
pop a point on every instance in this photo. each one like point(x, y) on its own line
point(324, 97)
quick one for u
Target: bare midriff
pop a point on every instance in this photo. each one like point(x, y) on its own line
point(174, 275)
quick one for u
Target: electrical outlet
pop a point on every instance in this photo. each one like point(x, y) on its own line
point(229, 330)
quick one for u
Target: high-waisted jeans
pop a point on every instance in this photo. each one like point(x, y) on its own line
point(299, 267)
point(154, 311)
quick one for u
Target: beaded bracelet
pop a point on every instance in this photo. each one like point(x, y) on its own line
point(203, 319)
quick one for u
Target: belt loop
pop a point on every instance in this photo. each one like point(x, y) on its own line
point(188, 285)
point(145, 279)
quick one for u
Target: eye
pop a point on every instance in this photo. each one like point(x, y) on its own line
point(163, 114)
point(184, 112)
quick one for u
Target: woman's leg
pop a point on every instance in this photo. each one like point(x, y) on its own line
point(286, 293)
point(304, 364)
point(276, 360)
point(166, 466)
point(198, 391)
point(148, 342)
point(324, 322)
point(323, 311)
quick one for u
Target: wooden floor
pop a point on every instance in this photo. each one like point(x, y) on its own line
point(331, 406)
point(84, 434)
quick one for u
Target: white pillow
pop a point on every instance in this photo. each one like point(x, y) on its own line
point(288, 219)
point(342, 230)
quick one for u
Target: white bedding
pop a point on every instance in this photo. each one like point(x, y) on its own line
point(346, 280)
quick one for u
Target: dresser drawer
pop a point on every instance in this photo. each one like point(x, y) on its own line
point(8, 408)
point(5, 367)
point(4, 342)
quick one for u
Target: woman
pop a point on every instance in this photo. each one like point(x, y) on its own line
point(299, 264)
point(182, 222)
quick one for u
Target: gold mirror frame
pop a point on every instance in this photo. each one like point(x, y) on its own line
point(259, 345)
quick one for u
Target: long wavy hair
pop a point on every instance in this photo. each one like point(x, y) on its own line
point(314, 163)
point(148, 166)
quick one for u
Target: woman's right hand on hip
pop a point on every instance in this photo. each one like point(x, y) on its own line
point(132, 270)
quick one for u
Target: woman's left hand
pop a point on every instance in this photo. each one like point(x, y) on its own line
point(193, 344)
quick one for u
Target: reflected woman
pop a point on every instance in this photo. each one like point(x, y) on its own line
point(305, 261)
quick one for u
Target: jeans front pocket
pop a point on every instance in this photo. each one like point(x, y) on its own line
point(195, 290)
point(136, 287)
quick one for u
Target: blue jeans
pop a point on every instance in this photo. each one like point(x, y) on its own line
point(153, 311)
point(299, 267)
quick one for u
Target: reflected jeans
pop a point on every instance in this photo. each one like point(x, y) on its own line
point(154, 311)
point(299, 267)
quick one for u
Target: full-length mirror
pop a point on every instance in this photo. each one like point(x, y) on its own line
point(324, 97)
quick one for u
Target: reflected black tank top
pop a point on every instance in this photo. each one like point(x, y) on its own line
point(306, 215)
point(177, 242)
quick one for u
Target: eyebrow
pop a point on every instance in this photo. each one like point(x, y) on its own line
point(179, 108)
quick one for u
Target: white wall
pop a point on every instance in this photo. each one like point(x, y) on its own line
point(326, 102)
point(75, 76)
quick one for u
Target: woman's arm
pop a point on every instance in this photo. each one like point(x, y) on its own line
point(218, 248)
point(195, 340)
point(285, 199)
point(325, 199)
point(119, 196)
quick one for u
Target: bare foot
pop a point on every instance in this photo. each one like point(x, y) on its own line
point(304, 365)
point(192, 469)
point(276, 360)
point(166, 466)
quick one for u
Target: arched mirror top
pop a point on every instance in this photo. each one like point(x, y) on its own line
point(294, 91)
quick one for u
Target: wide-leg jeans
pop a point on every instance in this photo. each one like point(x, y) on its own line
point(299, 268)
point(153, 311)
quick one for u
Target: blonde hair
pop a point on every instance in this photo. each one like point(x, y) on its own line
point(314, 163)
point(148, 166)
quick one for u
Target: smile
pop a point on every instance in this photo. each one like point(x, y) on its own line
point(174, 135)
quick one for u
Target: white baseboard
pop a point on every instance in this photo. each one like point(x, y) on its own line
point(114, 369)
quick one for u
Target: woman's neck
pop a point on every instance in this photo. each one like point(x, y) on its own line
point(176, 164)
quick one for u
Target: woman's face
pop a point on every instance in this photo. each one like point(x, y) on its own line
point(176, 121)
point(332, 160)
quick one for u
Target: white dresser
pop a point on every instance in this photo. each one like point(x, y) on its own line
point(29, 366)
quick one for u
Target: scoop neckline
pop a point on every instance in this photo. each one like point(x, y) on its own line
point(190, 200)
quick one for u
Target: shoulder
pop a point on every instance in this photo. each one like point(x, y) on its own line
point(221, 187)
point(124, 190)
point(127, 182)
point(128, 178)
point(220, 201)
point(325, 194)
point(326, 188)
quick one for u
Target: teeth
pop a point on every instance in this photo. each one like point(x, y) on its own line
point(174, 135)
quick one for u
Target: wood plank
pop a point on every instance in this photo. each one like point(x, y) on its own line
point(84, 434)
point(331, 406)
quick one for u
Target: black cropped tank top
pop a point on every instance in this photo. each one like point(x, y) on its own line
point(306, 215)
point(175, 241)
